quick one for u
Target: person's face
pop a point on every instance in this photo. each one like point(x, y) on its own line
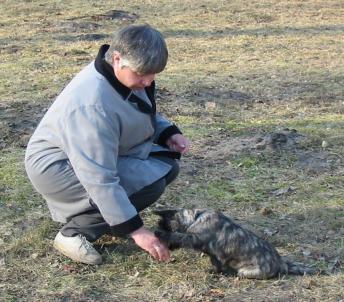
point(130, 78)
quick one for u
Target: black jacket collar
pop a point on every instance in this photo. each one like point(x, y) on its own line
point(106, 70)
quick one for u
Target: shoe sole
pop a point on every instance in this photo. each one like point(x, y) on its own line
point(59, 248)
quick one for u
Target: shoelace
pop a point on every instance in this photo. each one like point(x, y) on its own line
point(85, 243)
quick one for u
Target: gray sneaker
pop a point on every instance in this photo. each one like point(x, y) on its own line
point(77, 248)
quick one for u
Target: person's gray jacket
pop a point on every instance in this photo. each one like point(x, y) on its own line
point(96, 124)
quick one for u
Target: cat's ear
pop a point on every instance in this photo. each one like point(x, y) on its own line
point(165, 212)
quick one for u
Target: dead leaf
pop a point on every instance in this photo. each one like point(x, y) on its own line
point(265, 211)
point(216, 292)
point(309, 284)
point(190, 293)
point(70, 269)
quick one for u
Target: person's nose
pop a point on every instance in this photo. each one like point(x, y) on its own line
point(148, 79)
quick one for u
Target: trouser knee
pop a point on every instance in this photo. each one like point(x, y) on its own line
point(172, 175)
point(148, 195)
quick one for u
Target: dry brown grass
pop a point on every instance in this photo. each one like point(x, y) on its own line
point(237, 70)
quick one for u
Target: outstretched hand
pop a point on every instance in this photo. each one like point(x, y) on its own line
point(146, 240)
point(179, 143)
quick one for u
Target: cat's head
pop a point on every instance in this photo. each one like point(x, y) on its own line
point(178, 220)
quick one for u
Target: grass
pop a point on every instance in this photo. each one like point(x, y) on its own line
point(237, 70)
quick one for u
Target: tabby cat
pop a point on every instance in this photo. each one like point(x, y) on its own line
point(232, 249)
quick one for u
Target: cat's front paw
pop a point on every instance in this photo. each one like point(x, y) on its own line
point(162, 235)
point(164, 225)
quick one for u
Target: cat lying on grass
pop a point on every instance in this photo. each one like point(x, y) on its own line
point(232, 249)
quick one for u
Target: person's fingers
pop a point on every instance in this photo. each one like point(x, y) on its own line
point(172, 147)
point(179, 144)
point(159, 252)
point(163, 252)
point(154, 253)
point(183, 149)
point(184, 145)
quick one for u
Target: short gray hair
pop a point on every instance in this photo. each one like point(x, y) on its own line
point(142, 48)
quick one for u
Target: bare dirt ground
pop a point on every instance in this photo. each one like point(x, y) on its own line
point(257, 87)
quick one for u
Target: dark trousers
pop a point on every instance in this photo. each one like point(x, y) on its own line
point(92, 225)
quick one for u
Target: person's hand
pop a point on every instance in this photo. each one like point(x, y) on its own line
point(179, 143)
point(146, 240)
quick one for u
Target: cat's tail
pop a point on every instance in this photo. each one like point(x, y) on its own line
point(297, 268)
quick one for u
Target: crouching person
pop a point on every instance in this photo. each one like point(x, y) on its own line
point(101, 153)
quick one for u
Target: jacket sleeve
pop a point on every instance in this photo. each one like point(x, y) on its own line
point(90, 139)
point(163, 130)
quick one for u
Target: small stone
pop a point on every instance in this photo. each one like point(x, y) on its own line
point(210, 105)
point(306, 253)
point(135, 275)
point(34, 256)
point(283, 191)
point(324, 144)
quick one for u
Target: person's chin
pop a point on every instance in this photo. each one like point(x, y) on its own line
point(137, 87)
